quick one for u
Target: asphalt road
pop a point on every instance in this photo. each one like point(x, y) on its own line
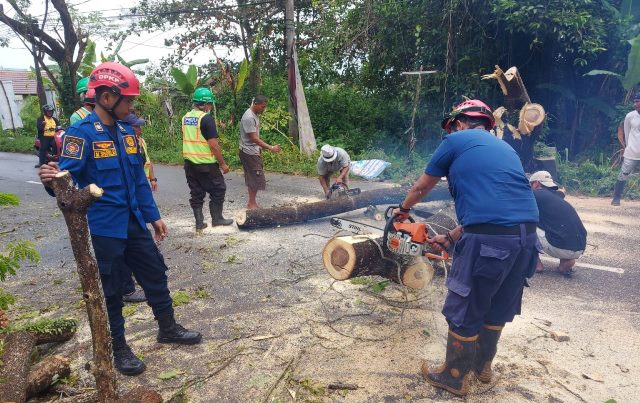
point(270, 283)
point(612, 240)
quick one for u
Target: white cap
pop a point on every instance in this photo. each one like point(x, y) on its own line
point(545, 179)
point(328, 153)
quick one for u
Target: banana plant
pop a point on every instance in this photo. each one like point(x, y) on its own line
point(631, 77)
point(186, 82)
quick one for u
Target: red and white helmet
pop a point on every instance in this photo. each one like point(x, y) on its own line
point(117, 77)
point(473, 108)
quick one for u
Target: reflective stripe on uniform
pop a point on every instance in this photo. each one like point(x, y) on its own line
point(194, 146)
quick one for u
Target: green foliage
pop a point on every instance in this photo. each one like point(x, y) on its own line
point(29, 113)
point(186, 82)
point(15, 253)
point(180, 298)
point(6, 299)
point(589, 178)
point(631, 76)
point(9, 199)
point(44, 326)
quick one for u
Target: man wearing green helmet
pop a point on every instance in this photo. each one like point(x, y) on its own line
point(203, 161)
point(82, 85)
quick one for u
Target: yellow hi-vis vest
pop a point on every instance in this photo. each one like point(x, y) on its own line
point(194, 146)
point(147, 161)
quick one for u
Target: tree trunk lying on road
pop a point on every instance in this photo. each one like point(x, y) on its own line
point(43, 373)
point(287, 215)
point(351, 256)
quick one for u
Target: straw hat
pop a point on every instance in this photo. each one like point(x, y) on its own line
point(531, 115)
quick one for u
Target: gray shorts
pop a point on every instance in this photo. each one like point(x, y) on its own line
point(628, 166)
point(552, 251)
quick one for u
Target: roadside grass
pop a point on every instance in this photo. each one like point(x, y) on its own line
point(589, 178)
point(16, 142)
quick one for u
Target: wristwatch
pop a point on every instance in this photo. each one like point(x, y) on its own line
point(153, 180)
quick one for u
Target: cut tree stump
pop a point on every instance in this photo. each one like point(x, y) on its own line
point(43, 373)
point(15, 366)
point(288, 215)
point(74, 204)
point(512, 86)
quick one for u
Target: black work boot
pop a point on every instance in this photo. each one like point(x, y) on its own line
point(617, 192)
point(487, 348)
point(215, 208)
point(171, 332)
point(125, 361)
point(200, 224)
point(135, 297)
point(454, 375)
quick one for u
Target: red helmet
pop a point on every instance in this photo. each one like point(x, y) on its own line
point(474, 108)
point(90, 97)
point(119, 78)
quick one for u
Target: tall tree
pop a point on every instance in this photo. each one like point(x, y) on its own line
point(65, 48)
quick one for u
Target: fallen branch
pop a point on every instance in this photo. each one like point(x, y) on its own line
point(289, 367)
point(42, 374)
point(342, 386)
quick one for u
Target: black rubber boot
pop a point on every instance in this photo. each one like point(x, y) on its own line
point(215, 208)
point(617, 192)
point(487, 348)
point(171, 332)
point(454, 375)
point(125, 361)
point(200, 224)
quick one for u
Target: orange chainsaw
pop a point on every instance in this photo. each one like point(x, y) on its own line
point(401, 238)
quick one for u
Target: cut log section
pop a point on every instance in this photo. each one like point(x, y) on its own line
point(512, 86)
point(347, 257)
point(43, 373)
point(288, 215)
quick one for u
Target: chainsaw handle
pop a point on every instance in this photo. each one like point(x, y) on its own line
point(388, 215)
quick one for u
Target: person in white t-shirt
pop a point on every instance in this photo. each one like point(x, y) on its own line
point(630, 142)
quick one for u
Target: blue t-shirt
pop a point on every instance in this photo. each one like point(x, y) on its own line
point(486, 179)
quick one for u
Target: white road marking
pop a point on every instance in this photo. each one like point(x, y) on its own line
point(35, 183)
point(587, 265)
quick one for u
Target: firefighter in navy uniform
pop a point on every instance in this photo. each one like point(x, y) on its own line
point(203, 161)
point(103, 150)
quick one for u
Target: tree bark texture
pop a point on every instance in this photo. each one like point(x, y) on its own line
point(42, 374)
point(350, 256)
point(296, 214)
point(15, 366)
point(74, 204)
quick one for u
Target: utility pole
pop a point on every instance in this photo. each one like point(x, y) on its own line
point(42, 97)
point(290, 34)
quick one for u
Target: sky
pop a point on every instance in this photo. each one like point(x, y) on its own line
point(147, 46)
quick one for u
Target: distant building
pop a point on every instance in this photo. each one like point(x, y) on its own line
point(15, 86)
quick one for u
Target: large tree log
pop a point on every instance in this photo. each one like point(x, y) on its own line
point(15, 366)
point(43, 373)
point(347, 257)
point(287, 215)
point(74, 204)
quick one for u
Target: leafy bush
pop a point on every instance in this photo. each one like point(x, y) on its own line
point(592, 179)
point(29, 113)
point(20, 142)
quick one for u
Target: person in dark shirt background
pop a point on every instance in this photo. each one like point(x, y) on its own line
point(560, 229)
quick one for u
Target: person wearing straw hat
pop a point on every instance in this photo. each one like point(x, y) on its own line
point(630, 143)
point(560, 230)
point(333, 159)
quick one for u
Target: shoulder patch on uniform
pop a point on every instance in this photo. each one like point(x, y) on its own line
point(72, 147)
point(104, 149)
point(130, 144)
point(121, 128)
point(98, 126)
